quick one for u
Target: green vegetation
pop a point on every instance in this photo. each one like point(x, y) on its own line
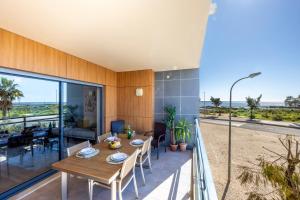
point(273, 114)
point(170, 121)
point(279, 173)
point(292, 102)
point(27, 111)
point(216, 102)
point(183, 130)
point(32, 110)
point(8, 94)
point(253, 105)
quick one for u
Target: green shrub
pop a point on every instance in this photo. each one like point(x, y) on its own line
point(265, 115)
point(234, 114)
point(277, 117)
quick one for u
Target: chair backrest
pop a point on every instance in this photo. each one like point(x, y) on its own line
point(103, 136)
point(159, 129)
point(129, 164)
point(73, 149)
point(117, 126)
point(146, 146)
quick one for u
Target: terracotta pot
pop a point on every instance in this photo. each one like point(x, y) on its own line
point(182, 146)
point(173, 147)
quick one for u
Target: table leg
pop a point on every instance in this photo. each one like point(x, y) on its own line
point(113, 190)
point(64, 186)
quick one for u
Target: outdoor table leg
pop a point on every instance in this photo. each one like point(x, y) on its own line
point(113, 190)
point(64, 186)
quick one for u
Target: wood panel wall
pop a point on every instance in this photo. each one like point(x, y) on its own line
point(136, 111)
point(17, 52)
point(110, 98)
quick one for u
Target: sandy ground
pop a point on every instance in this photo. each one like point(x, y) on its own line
point(246, 146)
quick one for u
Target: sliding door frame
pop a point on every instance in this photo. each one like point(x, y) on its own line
point(100, 119)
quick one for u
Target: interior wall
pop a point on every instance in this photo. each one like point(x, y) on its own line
point(137, 111)
point(110, 92)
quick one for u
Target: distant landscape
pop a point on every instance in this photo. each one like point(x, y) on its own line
point(32, 109)
point(242, 104)
point(273, 111)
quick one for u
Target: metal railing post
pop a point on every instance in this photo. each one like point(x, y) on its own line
point(24, 122)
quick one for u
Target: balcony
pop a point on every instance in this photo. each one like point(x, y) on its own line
point(91, 66)
point(176, 175)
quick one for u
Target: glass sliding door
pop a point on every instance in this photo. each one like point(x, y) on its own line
point(80, 113)
point(28, 114)
point(39, 119)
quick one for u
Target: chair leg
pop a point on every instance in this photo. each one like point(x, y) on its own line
point(120, 190)
point(91, 188)
point(135, 187)
point(157, 151)
point(149, 161)
point(142, 171)
point(165, 146)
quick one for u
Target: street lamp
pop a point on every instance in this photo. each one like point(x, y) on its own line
point(229, 143)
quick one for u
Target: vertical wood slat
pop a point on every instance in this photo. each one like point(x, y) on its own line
point(136, 111)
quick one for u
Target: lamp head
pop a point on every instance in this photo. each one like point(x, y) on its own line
point(254, 74)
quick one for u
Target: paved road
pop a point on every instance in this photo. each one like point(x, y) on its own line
point(258, 127)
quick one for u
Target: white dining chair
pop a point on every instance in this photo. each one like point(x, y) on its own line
point(145, 155)
point(103, 137)
point(127, 174)
point(73, 149)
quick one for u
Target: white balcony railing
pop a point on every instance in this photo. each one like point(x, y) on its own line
point(203, 184)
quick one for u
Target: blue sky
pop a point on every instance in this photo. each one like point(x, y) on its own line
point(246, 36)
point(35, 90)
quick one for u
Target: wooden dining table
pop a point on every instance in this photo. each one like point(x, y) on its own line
point(96, 167)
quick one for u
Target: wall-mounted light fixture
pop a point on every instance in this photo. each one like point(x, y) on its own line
point(139, 92)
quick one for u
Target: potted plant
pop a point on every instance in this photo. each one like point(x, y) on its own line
point(170, 122)
point(183, 133)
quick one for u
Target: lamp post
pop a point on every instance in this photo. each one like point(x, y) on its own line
point(229, 143)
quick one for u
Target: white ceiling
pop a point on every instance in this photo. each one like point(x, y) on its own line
point(119, 34)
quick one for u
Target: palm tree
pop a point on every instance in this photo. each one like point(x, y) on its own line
point(216, 102)
point(253, 104)
point(8, 93)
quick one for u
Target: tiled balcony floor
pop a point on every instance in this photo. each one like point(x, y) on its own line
point(171, 179)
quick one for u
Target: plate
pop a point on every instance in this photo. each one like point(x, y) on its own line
point(137, 142)
point(96, 152)
point(117, 157)
point(87, 151)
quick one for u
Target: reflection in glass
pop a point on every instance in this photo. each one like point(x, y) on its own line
point(80, 113)
point(28, 146)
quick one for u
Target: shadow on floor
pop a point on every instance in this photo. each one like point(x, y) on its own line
point(170, 179)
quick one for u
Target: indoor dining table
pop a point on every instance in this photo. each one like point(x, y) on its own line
point(96, 167)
